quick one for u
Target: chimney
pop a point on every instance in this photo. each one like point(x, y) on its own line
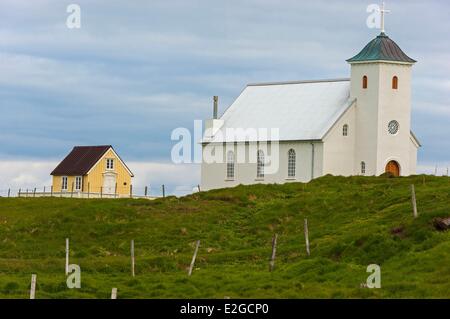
point(216, 106)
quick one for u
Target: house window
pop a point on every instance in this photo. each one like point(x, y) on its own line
point(78, 183)
point(364, 82)
point(260, 164)
point(110, 163)
point(64, 183)
point(395, 83)
point(291, 163)
point(393, 127)
point(345, 130)
point(363, 168)
point(230, 165)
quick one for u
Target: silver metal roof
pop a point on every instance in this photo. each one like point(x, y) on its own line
point(303, 110)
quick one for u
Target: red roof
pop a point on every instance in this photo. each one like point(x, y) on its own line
point(80, 160)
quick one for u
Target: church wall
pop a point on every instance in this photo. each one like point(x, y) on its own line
point(376, 107)
point(394, 105)
point(213, 175)
point(412, 158)
point(339, 150)
point(366, 116)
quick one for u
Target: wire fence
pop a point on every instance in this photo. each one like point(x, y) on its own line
point(145, 192)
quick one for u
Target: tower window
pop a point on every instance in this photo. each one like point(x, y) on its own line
point(291, 163)
point(260, 164)
point(363, 168)
point(395, 83)
point(345, 130)
point(364, 82)
point(230, 165)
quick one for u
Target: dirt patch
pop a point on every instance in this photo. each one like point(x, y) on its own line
point(398, 231)
point(441, 224)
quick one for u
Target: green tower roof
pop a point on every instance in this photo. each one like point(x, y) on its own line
point(381, 48)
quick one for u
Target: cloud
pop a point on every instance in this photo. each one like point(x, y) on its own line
point(136, 70)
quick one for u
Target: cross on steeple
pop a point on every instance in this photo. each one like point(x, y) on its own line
point(383, 11)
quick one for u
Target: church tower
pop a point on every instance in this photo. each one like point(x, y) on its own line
point(381, 85)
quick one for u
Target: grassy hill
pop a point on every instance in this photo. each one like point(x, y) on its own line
point(353, 222)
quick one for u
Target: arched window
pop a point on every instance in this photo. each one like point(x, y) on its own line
point(363, 168)
point(395, 83)
point(364, 82)
point(230, 164)
point(291, 163)
point(345, 130)
point(260, 165)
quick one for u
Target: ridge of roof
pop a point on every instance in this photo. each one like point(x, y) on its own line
point(299, 82)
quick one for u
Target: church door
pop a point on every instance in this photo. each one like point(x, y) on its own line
point(393, 168)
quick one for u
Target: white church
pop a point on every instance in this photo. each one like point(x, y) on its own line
point(352, 126)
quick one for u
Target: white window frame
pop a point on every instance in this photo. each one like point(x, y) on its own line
point(78, 186)
point(292, 157)
point(260, 164)
point(108, 166)
point(64, 185)
point(230, 165)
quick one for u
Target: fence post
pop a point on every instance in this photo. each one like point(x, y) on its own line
point(198, 186)
point(114, 293)
point(89, 189)
point(34, 192)
point(274, 251)
point(131, 190)
point(19, 192)
point(71, 193)
point(101, 191)
point(33, 286)
point(413, 200)
point(67, 256)
point(145, 191)
point(115, 190)
point(307, 237)
point(163, 191)
point(132, 257)
point(191, 267)
point(44, 190)
point(51, 191)
point(9, 192)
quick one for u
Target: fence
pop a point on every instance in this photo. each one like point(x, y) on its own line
point(145, 192)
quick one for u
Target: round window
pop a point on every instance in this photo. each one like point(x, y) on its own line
point(393, 127)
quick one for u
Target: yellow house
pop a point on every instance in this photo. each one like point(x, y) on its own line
point(93, 170)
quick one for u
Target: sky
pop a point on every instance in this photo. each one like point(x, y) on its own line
point(136, 70)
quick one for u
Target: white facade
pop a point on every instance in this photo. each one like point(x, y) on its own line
point(339, 127)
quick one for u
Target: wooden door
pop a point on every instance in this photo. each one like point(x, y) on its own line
point(393, 168)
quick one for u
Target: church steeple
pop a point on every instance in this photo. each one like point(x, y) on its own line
point(381, 84)
point(382, 48)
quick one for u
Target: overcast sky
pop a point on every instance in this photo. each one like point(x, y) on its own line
point(136, 70)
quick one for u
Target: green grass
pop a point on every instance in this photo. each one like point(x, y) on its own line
point(353, 222)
